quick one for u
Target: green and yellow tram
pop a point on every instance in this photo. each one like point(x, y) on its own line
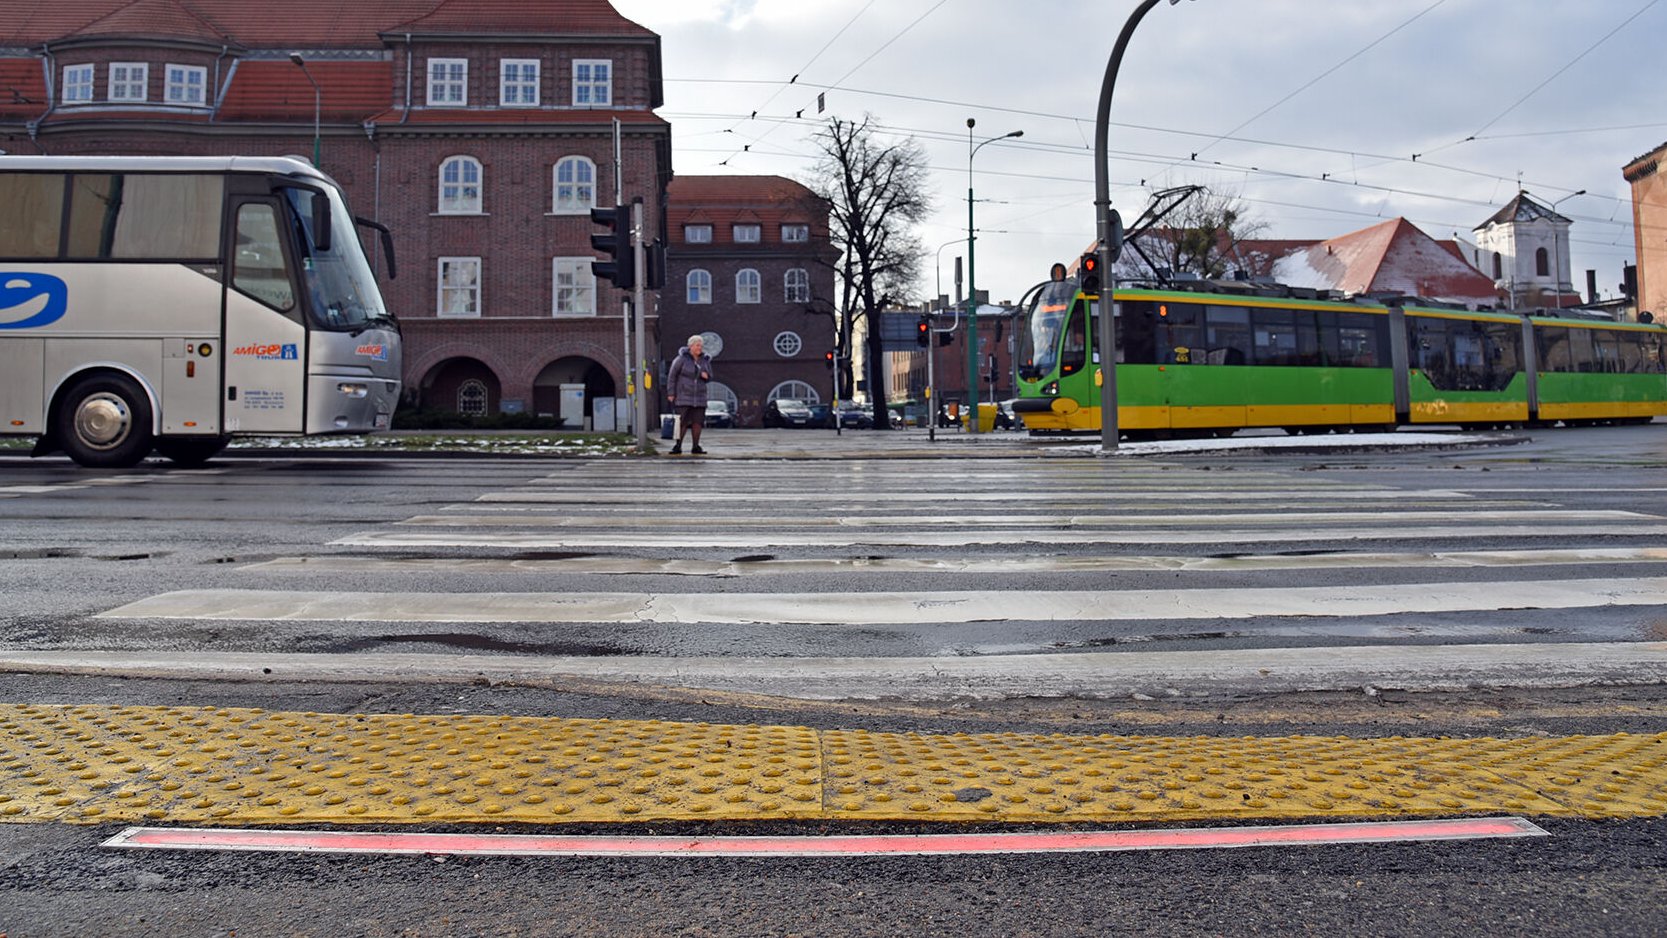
point(1207, 357)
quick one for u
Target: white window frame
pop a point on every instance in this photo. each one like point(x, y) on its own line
point(795, 234)
point(795, 286)
point(448, 89)
point(788, 344)
point(78, 83)
point(698, 287)
point(794, 390)
point(135, 77)
point(747, 233)
point(697, 234)
point(588, 90)
point(505, 84)
point(580, 284)
point(440, 287)
point(566, 196)
point(178, 82)
point(748, 289)
point(461, 204)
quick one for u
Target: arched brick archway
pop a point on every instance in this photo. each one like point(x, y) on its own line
point(464, 385)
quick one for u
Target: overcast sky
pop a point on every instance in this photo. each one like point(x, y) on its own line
point(1310, 110)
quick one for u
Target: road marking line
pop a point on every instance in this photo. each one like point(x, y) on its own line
point(1062, 521)
point(629, 566)
point(859, 609)
point(521, 845)
point(646, 536)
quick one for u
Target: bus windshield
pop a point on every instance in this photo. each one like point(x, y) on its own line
point(1039, 340)
point(343, 289)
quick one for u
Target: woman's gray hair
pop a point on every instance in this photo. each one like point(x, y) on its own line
point(697, 337)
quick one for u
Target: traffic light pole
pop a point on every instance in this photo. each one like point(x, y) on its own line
point(639, 320)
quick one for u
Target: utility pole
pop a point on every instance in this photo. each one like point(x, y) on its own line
point(639, 323)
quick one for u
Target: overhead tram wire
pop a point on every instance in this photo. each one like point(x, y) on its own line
point(1549, 79)
point(871, 56)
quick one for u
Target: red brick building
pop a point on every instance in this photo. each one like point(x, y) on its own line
point(1649, 221)
point(750, 265)
point(479, 131)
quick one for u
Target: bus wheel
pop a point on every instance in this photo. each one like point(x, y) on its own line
point(103, 421)
point(190, 452)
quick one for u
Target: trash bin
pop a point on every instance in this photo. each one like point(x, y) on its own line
point(667, 424)
point(987, 417)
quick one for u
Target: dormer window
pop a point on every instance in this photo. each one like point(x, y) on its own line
point(448, 82)
point(697, 234)
point(748, 234)
point(128, 81)
point(186, 85)
point(795, 234)
point(78, 84)
point(593, 82)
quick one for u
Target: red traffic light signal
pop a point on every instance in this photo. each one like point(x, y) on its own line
point(1089, 269)
point(923, 331)
point(829, 358)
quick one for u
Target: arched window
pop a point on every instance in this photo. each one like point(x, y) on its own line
point(700, 287)
point(471, 398)
point(1498, 266)
point(796, 391)
point(460, 186)
point(796, 286)
point(748, 287)
point(1542, 263)
point(575, 185)
point(788, 344)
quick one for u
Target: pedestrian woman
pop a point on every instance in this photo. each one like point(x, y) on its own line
point(686, 383)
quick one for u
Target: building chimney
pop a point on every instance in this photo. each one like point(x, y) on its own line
point(1592, 287)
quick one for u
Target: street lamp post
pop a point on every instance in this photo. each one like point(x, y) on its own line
point(1110, 229)
point(318, 97)
point(1557, 248)
point(972, 282)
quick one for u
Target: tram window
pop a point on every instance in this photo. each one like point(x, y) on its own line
point(1554, 348)
point(1137, 329)
point(1274, 336)
point(1227, 335)
point(1074, 355)
point(1581, 356)
point(1309, 350)
point(1361, 340)
point(1179, 337)
point(1502, 353)
point(1432, 352)
point(1606, 351)
point(1652, 350)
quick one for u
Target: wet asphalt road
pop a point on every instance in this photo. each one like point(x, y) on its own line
point(79, 548)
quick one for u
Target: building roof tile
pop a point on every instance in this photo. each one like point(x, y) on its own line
point(768, 201)
point(279, 89)
point(168, 19)
point(22, 88)
point(1392, 257)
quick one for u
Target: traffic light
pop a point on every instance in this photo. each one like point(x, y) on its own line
point(923, 331)
point(620, 268)
point(1089, 266)
point(829, 358)
point(654, 256)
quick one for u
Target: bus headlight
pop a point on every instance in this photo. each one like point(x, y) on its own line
point(353, 390)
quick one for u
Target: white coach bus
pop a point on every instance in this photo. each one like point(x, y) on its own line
point(175, 302)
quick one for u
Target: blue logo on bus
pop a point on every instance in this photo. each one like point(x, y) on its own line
point(29, 301)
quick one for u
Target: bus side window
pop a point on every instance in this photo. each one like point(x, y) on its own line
point(258, 263)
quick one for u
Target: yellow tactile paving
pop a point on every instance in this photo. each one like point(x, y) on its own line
point(93, 764)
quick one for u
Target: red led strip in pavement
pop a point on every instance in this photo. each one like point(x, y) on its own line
point(835, 846)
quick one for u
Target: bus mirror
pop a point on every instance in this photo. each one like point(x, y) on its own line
point(387, 242)
point(321, 222)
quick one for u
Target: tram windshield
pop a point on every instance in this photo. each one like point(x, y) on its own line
point(1045, 323)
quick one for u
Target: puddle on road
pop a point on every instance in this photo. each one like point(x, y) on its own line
point(472, 642)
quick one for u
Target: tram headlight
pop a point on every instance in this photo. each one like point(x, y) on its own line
point(1052, 387)
point(353, 390)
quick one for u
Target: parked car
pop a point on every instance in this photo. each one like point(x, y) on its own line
point(855, 418)
point(718, 414)
point(787, 412)
point(821, 416)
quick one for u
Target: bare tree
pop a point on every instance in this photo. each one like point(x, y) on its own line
point(876, 192)
point(1202, 236)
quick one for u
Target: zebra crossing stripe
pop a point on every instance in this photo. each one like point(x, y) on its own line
point(866, 609)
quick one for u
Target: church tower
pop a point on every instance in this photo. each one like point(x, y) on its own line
point(1525, 249)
